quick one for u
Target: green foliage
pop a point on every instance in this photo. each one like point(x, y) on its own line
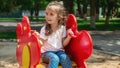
point(19, 19)
point(113, 25)
point(7, 6)
point(7, 35)
point(10, 19)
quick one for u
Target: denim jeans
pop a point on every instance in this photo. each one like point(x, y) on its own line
point(57, 57)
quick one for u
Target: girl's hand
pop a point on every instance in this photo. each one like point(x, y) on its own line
point(37, 34)
point(69, 32)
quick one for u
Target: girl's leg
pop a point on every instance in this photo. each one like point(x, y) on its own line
point(53, 59)
point(64, 59)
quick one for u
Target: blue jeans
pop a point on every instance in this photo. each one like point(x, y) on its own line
point(57, 57)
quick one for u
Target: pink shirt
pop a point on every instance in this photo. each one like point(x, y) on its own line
point(54, 41)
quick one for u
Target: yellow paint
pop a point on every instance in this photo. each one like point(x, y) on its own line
point(73, 65)
point(26, 57)
point(44, 65)
point(59, 66)
point(25, 28)
point(40, 65)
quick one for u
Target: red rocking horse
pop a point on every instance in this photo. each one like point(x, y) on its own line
point(28, 48)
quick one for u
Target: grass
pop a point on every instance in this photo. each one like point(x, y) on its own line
point(7, 35)
point(10, 19)
point(82, 24)
point(113, 25)
point(19, 19)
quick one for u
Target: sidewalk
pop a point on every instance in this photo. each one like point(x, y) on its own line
point(105, 41)
point(11, 26)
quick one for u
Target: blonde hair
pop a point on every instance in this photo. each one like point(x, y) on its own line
point(60, 10)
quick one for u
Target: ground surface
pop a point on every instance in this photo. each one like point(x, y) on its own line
point(106, 52)
point(97, 60)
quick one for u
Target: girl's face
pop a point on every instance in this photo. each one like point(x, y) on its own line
point(51, 16)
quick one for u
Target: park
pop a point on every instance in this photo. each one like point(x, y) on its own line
point(103, 27)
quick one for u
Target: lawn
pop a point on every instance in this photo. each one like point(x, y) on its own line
point(113, 25)
point(7, 35)
point(82, 24)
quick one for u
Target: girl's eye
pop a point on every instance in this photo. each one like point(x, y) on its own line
point(51, 14)
point(46, 13)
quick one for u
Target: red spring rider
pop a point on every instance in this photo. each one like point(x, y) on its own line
point(28, 48)
point(80, 46)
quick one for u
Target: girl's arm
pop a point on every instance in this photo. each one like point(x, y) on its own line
point(68, 38)
point(66, 41)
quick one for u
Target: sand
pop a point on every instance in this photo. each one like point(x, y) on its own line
point(98, 59)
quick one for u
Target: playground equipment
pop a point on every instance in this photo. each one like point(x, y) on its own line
point(28, 49)
point(80, 47)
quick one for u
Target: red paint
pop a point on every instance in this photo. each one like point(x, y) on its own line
point(27, 37)
point(80, 46)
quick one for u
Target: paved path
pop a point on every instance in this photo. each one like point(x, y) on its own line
point(106, 41)
point(7, 48)
point(11, 26)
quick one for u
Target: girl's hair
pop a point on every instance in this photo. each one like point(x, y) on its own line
point(60, 10)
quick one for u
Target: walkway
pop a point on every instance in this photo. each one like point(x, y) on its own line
point(106, 41)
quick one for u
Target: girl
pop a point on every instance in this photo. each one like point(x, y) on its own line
point(53, 36)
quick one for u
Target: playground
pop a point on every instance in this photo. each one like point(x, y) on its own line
point(94, 39)
point(106, 52)
point(97, 60)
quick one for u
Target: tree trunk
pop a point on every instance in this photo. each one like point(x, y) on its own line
point(36, 10)
point(69, 6)
point(31, 13)
point(97, 9)
point(109, 10)
point(92, 14)
point(79, 9)
point(36, 14)
point(85, 9)
point(103, 12)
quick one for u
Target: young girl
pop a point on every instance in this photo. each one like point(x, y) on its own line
point(53, 36)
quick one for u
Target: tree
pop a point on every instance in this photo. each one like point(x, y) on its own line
point(85, 5)
point(69, 5)
point(110, 6)
point(97, 6)
point(79, 8)
point(33, 6)
point(7, 6)
point(39, 4)
point(27, 5)
point(92, 13)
